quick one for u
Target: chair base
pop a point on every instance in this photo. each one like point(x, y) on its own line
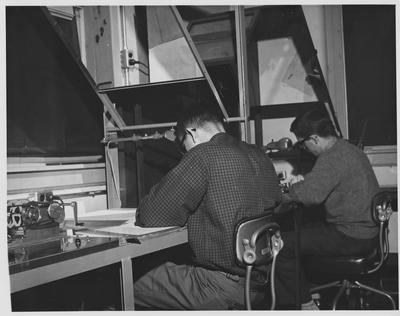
point(346, 286)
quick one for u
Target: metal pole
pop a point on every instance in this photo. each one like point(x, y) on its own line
point(140, 126)
point(124, 42)
point(161, 125)
point(198, 58)
point(109, 107)
point(241, 50)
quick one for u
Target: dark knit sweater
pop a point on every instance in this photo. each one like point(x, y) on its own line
point(344, 181)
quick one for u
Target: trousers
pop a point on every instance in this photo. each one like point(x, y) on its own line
point(315, 239)
point(185, 287)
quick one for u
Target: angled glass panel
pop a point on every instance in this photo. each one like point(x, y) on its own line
point(284, 55)
point(285, 78)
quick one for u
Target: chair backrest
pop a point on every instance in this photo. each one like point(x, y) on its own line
point(254, 240)
point(381, 209)
point(382, 206)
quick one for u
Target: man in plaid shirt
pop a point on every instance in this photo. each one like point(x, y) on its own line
point(219, 181)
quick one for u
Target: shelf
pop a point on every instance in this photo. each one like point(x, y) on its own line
point(162, 101)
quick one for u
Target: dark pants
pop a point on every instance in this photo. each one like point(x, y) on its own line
point(315, 239)
point(185, 287)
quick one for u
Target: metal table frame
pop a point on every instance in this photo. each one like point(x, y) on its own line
point(123, 254)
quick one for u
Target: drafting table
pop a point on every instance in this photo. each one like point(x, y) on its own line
point(99, 247)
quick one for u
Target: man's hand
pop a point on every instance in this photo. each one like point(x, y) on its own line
point(295, 179)
point(137, 219)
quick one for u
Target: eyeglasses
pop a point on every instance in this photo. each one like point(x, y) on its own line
point(181, 144)
point(301, 143)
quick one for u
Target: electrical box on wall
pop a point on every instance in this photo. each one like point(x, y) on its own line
point(127, 60)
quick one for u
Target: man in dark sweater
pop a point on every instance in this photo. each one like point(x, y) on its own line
point(219, 181)
point(343, 180)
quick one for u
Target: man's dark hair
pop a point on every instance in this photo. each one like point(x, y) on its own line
point(195, 116)
point(313, 123)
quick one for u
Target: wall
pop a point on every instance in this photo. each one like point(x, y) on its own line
point(83, 183)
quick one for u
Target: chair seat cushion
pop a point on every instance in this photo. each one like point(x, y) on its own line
point(340, 265)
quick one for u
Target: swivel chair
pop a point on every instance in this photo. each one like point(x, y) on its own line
point(257, 243)
point(352, 268)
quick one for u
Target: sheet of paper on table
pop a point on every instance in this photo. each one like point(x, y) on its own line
point(125, 219)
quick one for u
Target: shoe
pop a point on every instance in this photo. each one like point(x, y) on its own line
point(309, 306)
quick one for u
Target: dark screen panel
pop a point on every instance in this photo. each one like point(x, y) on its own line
point(370, 54)
point(52, 109)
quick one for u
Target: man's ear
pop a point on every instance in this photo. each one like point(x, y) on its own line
point(195, 134)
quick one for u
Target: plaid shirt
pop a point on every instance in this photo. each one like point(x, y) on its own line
point(215, 185)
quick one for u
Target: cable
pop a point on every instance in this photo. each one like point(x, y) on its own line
point(386, 242)
point(273, 294)
point(247, 287)
point(381, 249)
point(143, 72)
point(138, 62)
point(133, 62)
point(277, 244)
